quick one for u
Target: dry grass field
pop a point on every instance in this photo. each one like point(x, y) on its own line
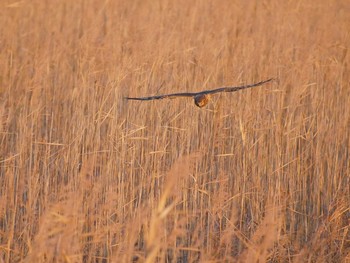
point(259, 175)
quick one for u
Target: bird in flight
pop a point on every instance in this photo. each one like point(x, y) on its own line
point(200, 98)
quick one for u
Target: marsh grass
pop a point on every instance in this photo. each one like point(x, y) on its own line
point(258, 175)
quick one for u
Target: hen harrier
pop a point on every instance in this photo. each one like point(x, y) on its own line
point(201, 98)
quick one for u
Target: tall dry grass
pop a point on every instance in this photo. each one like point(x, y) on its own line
point(259, 175)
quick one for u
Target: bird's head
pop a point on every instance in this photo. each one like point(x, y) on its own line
point(201, 100)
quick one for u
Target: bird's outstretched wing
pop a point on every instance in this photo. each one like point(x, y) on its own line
point(232, 89)
point(188, 94)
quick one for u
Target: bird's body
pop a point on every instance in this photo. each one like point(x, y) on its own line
point(200, 98)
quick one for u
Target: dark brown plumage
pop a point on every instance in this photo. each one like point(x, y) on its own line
point(201, 98)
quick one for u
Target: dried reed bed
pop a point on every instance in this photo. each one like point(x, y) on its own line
point(259, 175)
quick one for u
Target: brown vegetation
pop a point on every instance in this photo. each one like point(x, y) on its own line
point(259, 175)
